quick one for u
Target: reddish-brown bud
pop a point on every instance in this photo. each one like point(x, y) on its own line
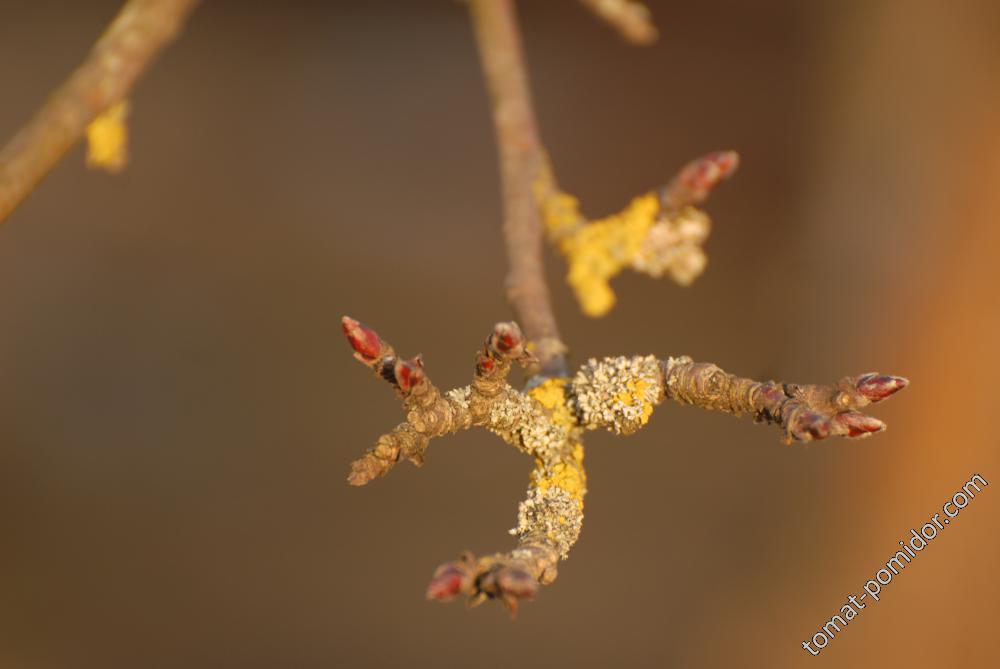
point(876, 387)
point(409, 373)
point(507, 340)
point(449, 581)
point(811, 425)
point(697, 179)
point(485, 363)
point(366, 343)
point(516, 582)
point(858, 424)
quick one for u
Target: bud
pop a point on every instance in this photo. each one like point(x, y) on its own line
point(409, 373)
point(507, 340)
point(858, 424)
point(366, 343)
point(516, 582)
point(449, 581)
point(810, 425)
point(697, 179)
point(485, 363)
point(876, 387)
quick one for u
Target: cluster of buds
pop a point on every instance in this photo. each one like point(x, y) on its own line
point(407, 376)
point(506, 344)
point(501, 580)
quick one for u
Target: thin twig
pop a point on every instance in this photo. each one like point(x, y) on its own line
point(521, 162)
point(137, 34)
point(631, 19)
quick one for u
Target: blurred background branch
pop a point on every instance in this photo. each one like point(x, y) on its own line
point(521, 161)
point(136, 36)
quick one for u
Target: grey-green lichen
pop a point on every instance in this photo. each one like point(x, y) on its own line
point(617, 393)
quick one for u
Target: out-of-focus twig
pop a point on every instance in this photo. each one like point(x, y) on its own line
point(658, 233)
point(136, 35)
point(521, 162)
point(631, 19)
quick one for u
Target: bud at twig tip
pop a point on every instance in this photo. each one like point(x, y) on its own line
point(877, 387)
point(366, 343)
point(449, 581)
point(858, 424)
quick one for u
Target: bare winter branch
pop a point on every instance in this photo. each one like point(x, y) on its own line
point(137, 34)
point(805, 412)
point(548, 422)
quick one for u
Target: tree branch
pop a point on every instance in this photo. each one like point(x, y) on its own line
point(659, 232)
point(521, 162)
point(631, 19)
point(136, 35)
point(805, 412)
point(548, 422)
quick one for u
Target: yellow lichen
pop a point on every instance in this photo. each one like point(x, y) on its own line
point(643, 237)
point(568, 474)
point(107, 139)
point(635, 396)
point(598, 251)
point(551, 394)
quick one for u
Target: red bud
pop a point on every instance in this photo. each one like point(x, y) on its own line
point(811, 425)
point(858, 424)
point(507, 340)
point(449, 581)
point(486, 363)
point(697, 179)
point(409, 373)
point(876, 387)
point(366, 343)
point(517, 583)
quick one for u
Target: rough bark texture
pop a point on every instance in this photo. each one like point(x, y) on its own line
point(805, 412)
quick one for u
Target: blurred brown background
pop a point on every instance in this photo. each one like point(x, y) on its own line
point(178, 408)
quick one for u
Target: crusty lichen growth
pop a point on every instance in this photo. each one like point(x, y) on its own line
point(617, 393)
point(553, 510)
point(658, 234)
